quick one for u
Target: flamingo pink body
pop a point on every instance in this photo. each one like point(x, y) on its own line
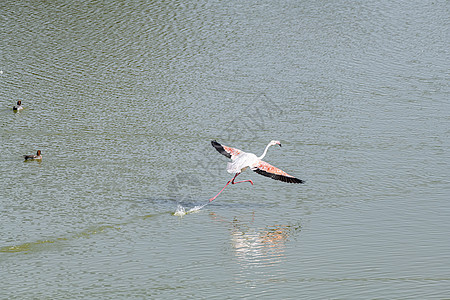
point(241, 160)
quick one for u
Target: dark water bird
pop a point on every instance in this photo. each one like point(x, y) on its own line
point(38, 156)
point(18, 106)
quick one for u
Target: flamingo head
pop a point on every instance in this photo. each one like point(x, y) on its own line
point(275, 143)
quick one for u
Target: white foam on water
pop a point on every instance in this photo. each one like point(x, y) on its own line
point(181, 211)
point(197, 208)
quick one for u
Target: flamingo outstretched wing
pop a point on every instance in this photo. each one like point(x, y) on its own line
point(227, 151)
point(265, 169)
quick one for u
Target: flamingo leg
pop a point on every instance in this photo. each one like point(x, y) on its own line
point(220, 191)
point(232, 182)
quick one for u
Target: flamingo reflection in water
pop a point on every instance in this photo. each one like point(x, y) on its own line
point(260, 246)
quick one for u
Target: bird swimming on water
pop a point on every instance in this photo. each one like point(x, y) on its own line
point(38, 156)
point(18, 106)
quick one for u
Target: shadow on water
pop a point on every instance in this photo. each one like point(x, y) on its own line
point(41, 245)
point(160, 206)
point(157, 206)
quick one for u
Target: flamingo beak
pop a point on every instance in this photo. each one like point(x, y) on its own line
point(279, 144)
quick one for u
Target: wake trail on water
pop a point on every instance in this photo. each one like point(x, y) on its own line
point(181, 210)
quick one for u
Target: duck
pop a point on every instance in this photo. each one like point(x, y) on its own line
point(38, 156)
point(18, 106)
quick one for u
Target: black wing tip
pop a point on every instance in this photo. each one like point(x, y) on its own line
point(279, 177)
point(220, 148)
point(289, 179)
point(298, 180)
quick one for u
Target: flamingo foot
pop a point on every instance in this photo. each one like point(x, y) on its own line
point(233, 182)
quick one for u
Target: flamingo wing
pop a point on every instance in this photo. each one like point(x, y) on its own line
point(227, 151)
point(265, 169)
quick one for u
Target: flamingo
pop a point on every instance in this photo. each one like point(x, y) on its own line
point(241, 160)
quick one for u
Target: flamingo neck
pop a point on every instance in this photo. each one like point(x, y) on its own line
point(265, 151)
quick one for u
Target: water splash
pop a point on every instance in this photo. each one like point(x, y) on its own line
point(197, 208)
point(181, 211)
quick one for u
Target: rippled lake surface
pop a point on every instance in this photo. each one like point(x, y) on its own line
point(123, 99)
